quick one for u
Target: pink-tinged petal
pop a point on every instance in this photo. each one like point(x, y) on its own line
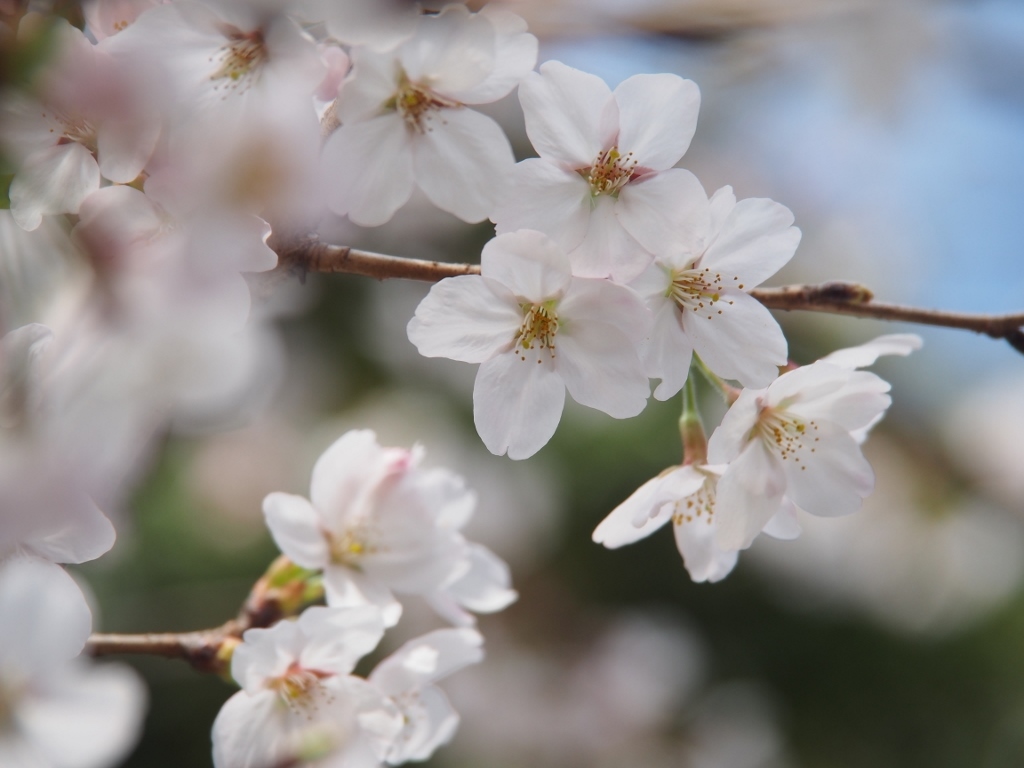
point(784, 525)
point(378, 25)
point(124, 146)
point(84, 716)
point(515, 56)
point(657, 118)
point(570, 115)
point(540, 195)
point(427, 659)
point(347, 588)
point(667, 351)
point(517, 405)
point(346, 471)
point(54, 180)
point(733, 434)
point(601, 369)
point(45, 619)
point(704, 560)
point(369, 167)
point(266, 654)
point(755, 242)
point(106, 18)
point(336, 638)
point(85, 535)
point(834, 479)
point(486, 586)
point(601, 301)
point(748, 495)
point(866, 354)
point(608, 250)
point(296, 528)
point(529, 264)
point(453, 51)
point(369, 86)
point(666, 212)
point(738, 339)
point(467, 318)
point(458, 159)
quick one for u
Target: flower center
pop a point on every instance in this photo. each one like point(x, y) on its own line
point(609, 173)
point(697, 506)
point(300, 688)
point(74, 129)
point(538, 329)
point(698, 290)
point(789, 436)
point(351, 546)
point(417, 103)
point(239, 60)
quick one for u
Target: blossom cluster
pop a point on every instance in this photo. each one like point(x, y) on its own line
point(155, 154)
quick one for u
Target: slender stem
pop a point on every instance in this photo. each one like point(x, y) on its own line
point(691, 428)
point(303, 255)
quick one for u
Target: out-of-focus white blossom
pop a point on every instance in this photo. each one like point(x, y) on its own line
point(603, 187)
point(536, 330)
point(58, 711)
point(405, 120)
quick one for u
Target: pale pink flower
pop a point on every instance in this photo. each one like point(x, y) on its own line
point(536, 330)
point(800, 438)
point(697, 291)
point(406, 121)
point(603, 187)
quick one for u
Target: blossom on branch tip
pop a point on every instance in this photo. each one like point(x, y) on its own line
point(800, 438)
point(603, 187)
point(536, 330)
point(377, 523)
point(405, 120)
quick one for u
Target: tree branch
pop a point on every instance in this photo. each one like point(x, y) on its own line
point(304, 255)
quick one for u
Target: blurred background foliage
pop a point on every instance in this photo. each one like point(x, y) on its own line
point(895, 638)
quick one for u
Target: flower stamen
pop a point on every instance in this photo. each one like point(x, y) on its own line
point(538, 330)
point(241, 59)
point(610, 172)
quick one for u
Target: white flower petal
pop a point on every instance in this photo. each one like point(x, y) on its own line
point(834, 479)
point(85, 535)
point(370, 168)
point(486, 586)
point(858, 403)
point(866, 354)
point(529, 264)
point(346, 588)
point(657, 118)
point(517, 405)
point(369, 86)
point(732, 435)
point(601, 369)
point(543, 196)
point(427, 659)
point(755, 242)
point(738, 339)
point(344, 472)
point(667, 351)
point(515, 56)
point(600, 301)
point(430, 722)
point(748, 495)
point(458, 159)
point(667, 212)
point(467, 318)
point(453, 51)
point(54, 180)
point(296, 528)
point(646, 510)
point(570, 115)
point(84, 716)
point(608, 250)
point(336, 638)
point(704, 560)
point(784, 525)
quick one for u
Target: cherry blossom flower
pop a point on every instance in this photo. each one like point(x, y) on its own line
point(800, 438)
point(407, 678)
point(57, 711)
point(603, 186)
point(536, 330)
point(405, 120)
point(95, 120)
point(299, 704)
point(686, 495)
point(697, 291)
point(377, 522)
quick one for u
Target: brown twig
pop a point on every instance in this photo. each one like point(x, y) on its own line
point(310, 255)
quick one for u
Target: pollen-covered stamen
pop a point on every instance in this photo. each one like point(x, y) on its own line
point(351, 546)
point(538, 330)
point(610, 172)
point(788, 436)
point(697, 507)
point(699, 290)
point(417, 103)
point(73, 129)
point(300, 688)
point(240, 60)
